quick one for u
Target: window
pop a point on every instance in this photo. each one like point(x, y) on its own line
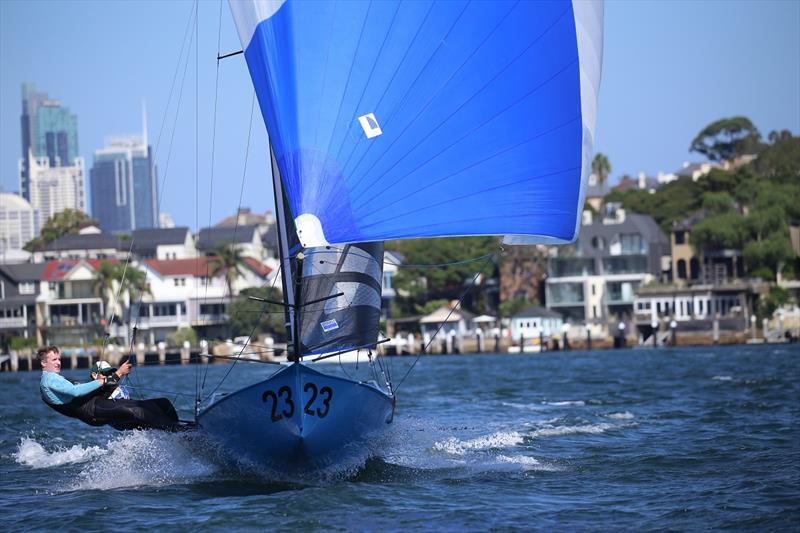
point(594, 311)
point(180, 282)
point(598, 243)
point(680, 237)
point(631, 243)
point(681, 269)
point(593, 289)
point(27, 287)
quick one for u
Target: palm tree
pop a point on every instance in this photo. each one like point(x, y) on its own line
point(135, 283)
point(227, 260)
point(105, 281)
point(601, 168)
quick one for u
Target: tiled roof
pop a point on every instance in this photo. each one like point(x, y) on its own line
point(148, 239)
point(257, 266)
point(196, 266)
point(199, 266)
point(537, 312)
point(57, 269)
point(87, 241)
point(210, 238)
point(24, 271)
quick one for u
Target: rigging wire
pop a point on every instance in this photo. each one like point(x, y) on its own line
point(213, 151)
point(185, 45)
point(197, 168)
point(236, 225)
point(452, 310)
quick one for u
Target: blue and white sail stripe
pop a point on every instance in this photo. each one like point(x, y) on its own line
point(394, 120)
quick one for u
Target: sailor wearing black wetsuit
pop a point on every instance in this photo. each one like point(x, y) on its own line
point(89, 402)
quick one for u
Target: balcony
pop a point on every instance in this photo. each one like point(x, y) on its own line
point(625, 264)
point(12, 322)
point(620, 292)
point(565, 294)
point(572, 266)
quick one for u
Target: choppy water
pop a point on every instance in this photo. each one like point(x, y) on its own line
point(637, 439)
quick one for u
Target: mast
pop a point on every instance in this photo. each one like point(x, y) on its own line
point(283, 250)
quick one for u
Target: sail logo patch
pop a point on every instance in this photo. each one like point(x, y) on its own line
point(370, 125)
point(329, 325)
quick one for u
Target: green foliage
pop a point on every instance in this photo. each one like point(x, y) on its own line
point(511, 307)
point(768, 256)
point(228, 260)
point(719, 231)
point(21, 343)
point(776, 298)
point(439, 282)
point(727, 138)
point(252, 317)
point(748, 208)
point(68, 221)
point(430, 306)
point(182, 335)
point(601, 167)
point(671, 202)
point(717, 203)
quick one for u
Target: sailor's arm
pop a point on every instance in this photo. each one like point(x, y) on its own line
point(68, 391)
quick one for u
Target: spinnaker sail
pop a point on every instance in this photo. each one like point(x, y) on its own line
point(394, 120)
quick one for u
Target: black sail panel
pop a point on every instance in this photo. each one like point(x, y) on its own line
point(351, 319)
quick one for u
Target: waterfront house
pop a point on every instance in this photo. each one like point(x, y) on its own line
point(448, 320)
point(72, 312)
point(163, 243)
point(247, 239)
point(89, 243)
point(20, 286)
point(536, 321)
point(594, 280)
point(697, 307)
point(185, 293)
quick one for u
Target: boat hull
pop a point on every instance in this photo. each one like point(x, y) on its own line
point(298, 419)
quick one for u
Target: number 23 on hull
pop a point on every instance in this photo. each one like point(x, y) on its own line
point(297, 418)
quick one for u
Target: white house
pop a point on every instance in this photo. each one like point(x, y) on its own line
point(535, 321)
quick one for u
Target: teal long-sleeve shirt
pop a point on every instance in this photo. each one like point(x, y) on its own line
point(58, 390)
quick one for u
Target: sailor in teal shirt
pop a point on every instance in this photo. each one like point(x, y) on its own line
point(89, 402)
point(58, 390)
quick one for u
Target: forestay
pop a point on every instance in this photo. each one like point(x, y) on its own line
point(394, 120)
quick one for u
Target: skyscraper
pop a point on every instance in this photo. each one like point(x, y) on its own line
point(48, 130)
point(124, 184)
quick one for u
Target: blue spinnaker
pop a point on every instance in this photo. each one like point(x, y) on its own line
point(393, 120)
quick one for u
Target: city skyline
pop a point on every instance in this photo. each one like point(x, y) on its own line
point(665, 78)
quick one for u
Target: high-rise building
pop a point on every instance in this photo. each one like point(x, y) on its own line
point(124, 185)
point(17, 223)
point(48, 130)
point(52, 189)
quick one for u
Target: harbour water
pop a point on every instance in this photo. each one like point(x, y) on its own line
point(686, 439)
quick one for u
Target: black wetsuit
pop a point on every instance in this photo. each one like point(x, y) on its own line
point(96, 409)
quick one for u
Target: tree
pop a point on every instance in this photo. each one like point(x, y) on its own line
point(228, 260)
point(105, 281)
point(177, 338)
point(135, 284)
point(601, 168)
point(717, 203)
point(68, 221)
point(513, 306)
point(251, 317)
point(727, 139)
point(719, 232)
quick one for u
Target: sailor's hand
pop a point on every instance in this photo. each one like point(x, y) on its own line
point(102, 379)
point(124, 369)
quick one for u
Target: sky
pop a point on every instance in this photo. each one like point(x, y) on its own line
point(669, 69)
